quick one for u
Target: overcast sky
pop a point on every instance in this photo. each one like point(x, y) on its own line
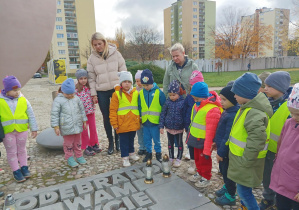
point(112, 14)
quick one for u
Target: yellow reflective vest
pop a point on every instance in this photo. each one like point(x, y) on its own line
point(125, 106)
point(198, 120)
point(238, 136)
point(277, 122)
point(17, 121)
point(153, 112)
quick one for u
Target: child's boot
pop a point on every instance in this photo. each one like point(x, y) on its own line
point(159, 156)
point(25, 171)
point(226, 199)
point(133, 156)
point(194, 178)
point(18, 176)
point(221, 191)
point(192, 168)
point(81, 160)
point(177, 163)
point(265, 204)
point(187, 155)
point(147, 157)
point(203, 183)
point(89, 151)
point(96, 148)
point(71, 162)
point(126, 162)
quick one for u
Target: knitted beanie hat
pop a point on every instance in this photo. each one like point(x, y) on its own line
point(264, 76)
point(293, 100)
point(228, 94)
point(147, 77)
point(138, 74)
point(68, 86)
point(200, 90)
point(196, 76)
point(174, 87)
point(247, 85)
point(279, 80)
point(125, 75)
point(10, 83)
point(81, 73)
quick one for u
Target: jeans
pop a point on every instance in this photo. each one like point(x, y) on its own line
point(284, 203)
point(104, 104)
point(268, 193)
point(126, 141)
point(229, 184)
point(245, 194)
point(140, 138)
point(92, 138)
point(149, 133)
point(171, 142)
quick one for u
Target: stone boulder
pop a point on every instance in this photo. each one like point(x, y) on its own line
point(48, 139)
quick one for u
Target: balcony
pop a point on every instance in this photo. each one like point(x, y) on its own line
point(70, 15)
point(70, 23)
point(74, 54)
point(72, 7)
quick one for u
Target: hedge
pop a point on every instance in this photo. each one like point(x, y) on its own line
point(158, 72)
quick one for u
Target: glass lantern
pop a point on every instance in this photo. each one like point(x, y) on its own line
point(149, 172)
point(166, 166)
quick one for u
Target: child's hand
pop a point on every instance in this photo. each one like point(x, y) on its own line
point(33, 134)
point(95, 99)
point(213, 147)
point(219, 158)
point(297, 197)
point(161, 130)
point(84, 126)
point(207, 157)
point(116, 129)
point(57, 131)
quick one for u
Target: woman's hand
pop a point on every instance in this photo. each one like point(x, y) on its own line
point(161, 130)
point(84, 126)
point(94, 99)
point(297, 197)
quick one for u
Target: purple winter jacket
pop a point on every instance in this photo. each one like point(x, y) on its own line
point(285, 172)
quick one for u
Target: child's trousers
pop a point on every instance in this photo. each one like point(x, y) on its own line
point(72, 143)
point(92, 138)
point(246, 196)
point(15, 145)
point(140, 138)
point(126, 141)
point(149, 133)
point(203, 165)
point(171, 141)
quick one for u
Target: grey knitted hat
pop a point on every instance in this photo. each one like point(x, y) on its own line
point(279, 80)
point(81, 73)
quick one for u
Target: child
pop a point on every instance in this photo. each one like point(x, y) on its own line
point(172, 117)
point(124, 115)
point(248, 138)
point(226, 195)
point(89, 144)
point(150, 102)
point(142, 149)
point(15, 114)
point(263, 76)
point(189, 102)
point(277, 88)
point(68, 119)
point(284, 177)
point(205, 115)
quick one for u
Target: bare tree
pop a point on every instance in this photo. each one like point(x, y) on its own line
point(120, 38)
point(86, 52)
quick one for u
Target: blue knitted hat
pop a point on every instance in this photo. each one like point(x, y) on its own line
point(247, 85)
point(174, 87)
point(200, 90)
point(68, 86)
point(147, 77)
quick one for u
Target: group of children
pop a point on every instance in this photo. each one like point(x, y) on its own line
point(253, 125)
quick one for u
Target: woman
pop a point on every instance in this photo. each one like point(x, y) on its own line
point(103, 65)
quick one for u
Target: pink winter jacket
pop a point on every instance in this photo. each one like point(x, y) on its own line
point(285, 172)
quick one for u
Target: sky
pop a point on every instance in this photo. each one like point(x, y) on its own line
point(124, 14)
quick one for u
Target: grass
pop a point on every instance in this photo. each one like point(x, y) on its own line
point(213, 79)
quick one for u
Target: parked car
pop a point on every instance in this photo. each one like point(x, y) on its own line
point(37, 75)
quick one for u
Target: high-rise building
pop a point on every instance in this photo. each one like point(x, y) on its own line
point(190, 22)
point(75, 23)
point(279, 20)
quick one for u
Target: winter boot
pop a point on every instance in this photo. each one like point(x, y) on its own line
point(226, 199)
point(25, 171)
point(221, 191)
point(266, 204)
point(18, 176)
point(147, 157)
point(159, 156)
point(110, 147)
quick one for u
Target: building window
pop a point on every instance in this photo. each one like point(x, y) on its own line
point(195, 3)
point(60, 44)
point(58, 2)
point(72, 35)
point(180, 7)
point(180, 19)
point(180, 13)
point(58, 10)
point(194, 48)
point(61, 52)
point(194, 9)
point(59, 19)
point(194, 35)
point(59, 27)
point(171, 16)
point(180, 38)
point(194, 42)
point(194, 23)
point(60, 35)
point(181, 32)
point(75, 43)
point(194, 29)
point(181, 26)
point(194, 16)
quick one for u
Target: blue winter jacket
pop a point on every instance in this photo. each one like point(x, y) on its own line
point(188, 105)
point(172, 115)
point(223, 130)
point(148, 96)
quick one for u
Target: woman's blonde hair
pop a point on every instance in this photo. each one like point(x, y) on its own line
point(177, 46)
point(99, 36)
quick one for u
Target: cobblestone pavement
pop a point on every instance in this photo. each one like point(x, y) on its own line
point(48, 167)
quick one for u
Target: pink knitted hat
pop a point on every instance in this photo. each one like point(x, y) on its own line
point(293, 100)
point(195, 77)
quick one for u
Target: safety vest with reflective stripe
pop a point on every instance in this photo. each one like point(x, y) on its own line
point(198, 120)
point(238, 136)
point(17, 121)
point(125, 106)
point(277, 121)
point(153, 112)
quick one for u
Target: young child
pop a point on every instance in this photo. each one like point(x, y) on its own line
point(150, 102)
point(284, 177)
point(124, 115)
point(189, 102)
point(90, 143)
point(172, 118)
point(263, 76)
point(205, 116)
point(249, 138)
point(15, 114)
point(277, 88)
point(226, 195)
point(142, 149)
point(68, 119)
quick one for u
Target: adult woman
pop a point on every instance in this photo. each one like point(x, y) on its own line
point(180, 68)
point(102, 66)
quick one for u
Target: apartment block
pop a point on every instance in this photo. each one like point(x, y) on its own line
point(279, 20)
point(75, 23)
point(190, 22)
